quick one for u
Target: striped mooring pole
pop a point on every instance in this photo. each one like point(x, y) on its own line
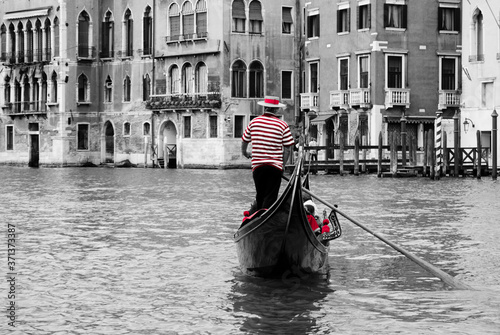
point(439, 146)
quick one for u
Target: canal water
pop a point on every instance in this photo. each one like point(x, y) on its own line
point(150, 251)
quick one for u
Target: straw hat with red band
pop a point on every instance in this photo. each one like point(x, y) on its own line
point(271, 102)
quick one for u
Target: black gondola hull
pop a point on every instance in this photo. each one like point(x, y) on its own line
point(281, 240)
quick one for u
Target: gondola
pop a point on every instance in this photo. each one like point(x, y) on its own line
point(279, 240)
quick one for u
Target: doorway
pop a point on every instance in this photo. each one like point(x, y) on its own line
point(109, 147)
point(34, 157)
point(168, 144)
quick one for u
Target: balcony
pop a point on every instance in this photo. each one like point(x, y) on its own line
point(309, 101)
point(449, 98)
point(397, 97)
point(339, 99)
point(86, 53)
point(177, 101)
point(360, 97)
point(25, 108)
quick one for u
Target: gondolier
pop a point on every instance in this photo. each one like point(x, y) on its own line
point(272, 142)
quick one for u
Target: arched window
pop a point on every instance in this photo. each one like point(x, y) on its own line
point(147, 31)
point(83, 88)
point(47, 53)
point(201, 78)
point(238, 85)
point(108, 90)
point(17, 96)
point(107, 39)
point(128, 31)
point(239, 17)
point(44, 92)
point(56, 37)
point(126, 128)
point(256, 80)
point(477, 37)
point(187, 20)
point(29, 42)
point(126, 89)
point(146, 87)
point(255, 16)
point(174, 22)
point(53, 91)
point(187, 79)
point(84, 35)
point(201, 18)
point(20, 34)
point(146, 129)
point(3, 43)
point(174, 83)
point(13, 43)
point(38, 41)
point(27, 93)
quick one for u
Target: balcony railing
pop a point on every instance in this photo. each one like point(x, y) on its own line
point(309, 101)
point(26, 107)
point(184, 100)
point(339, 99)
point(360, 97)
point(28, 56)
point(397, 97)
point(449, 99)
point(86, 52)
point(107, 54)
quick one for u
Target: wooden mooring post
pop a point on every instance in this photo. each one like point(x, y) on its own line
point(431, 155)
point(379, 163)
point(394, 155)
point(424, 163)
point(445, 155)
point(341, 153)
point(478, 137)
point(356, 155)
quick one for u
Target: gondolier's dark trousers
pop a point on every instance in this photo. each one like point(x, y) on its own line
point(267, 181)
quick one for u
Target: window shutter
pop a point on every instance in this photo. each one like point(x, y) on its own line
point(369, 14)
point(239, 9)
point(358, 14)
point(175, 26)
point(348, 19)
point(458, 25)
point(201, 23)
point(386, 15)
point(287, 15)
point(339, 21)
point(404, 24)
point(188, 24)
point(105, 39)
point(256, 11)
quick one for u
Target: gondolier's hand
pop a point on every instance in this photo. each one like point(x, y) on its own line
point(247, 155)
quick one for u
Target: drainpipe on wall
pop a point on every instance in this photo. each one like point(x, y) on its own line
point(153, 79)
point(298, 60)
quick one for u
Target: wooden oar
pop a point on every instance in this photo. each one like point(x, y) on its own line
point(426, 265)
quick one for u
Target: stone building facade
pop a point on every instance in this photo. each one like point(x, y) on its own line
point(149, 83)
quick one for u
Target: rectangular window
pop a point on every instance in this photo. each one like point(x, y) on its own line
point(487, 95)
point(449, 19)
point(286, 85)
point(287, 20)
point(314, 84)
point(187, 126)
point(343, 74)
point(313, 26)
point(238, 125)
point(364, 72)
point(395, 16)
point(126, 129)
point(448, 74)
point(394, 72)
point(82, 136)
point(213, 126)
point(364, 17)
point(9, 134)
point(343, 21)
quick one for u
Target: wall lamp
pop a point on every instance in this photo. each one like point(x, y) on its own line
point(466, 124)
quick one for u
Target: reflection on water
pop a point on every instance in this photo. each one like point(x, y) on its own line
point(149, 251)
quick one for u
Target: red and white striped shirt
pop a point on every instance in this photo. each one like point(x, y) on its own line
point(268, 135)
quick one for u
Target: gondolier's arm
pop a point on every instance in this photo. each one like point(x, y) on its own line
point(244, 147)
